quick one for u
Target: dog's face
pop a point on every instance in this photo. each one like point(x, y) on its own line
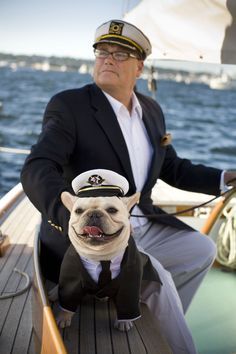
point(99, 228)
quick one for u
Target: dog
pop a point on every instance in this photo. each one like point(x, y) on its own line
point(100, 230)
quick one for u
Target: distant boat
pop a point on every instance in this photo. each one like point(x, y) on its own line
point(83, 69)
point(44, 66)
point(222, 82)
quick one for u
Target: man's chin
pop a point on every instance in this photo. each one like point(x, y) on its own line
point(107, 78)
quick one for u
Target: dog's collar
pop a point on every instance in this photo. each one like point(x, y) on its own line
point(100, 191)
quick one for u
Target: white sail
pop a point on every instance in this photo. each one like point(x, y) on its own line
point(194, 30)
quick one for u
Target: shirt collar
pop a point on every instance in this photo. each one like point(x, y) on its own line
point(116, 105)
point(116, 259)
point(136, 106)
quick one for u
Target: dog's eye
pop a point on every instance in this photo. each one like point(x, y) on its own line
point(112, 210)
point(78, 211)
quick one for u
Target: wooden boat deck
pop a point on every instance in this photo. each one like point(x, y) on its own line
point(16, 329)
point(15, 319)
point(92, 332)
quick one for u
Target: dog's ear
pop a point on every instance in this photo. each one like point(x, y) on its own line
point(68, 200)
point(131, 201)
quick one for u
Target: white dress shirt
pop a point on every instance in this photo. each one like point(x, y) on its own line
point(138, 145)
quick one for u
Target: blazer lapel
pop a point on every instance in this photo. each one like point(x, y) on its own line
point(106, 117)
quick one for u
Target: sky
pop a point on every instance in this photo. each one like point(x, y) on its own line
point(64, 28)
point(55, 27)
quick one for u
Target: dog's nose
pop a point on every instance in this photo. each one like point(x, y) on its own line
point(94, 217)
point(95, 214)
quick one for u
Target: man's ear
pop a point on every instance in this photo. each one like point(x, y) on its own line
point(140, 66)
point(131, 201)
point(68, 200)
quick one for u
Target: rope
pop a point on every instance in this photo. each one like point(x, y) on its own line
point(21, 291)
point(156, 216)
point(226, 240)
point(188, 209)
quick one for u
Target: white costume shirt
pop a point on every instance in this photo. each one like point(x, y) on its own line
point(94, 268)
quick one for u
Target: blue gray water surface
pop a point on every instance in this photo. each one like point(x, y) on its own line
point(202, 121)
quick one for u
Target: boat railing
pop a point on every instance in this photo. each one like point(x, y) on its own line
point(9, 199)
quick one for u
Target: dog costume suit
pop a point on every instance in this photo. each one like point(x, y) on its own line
point(75, 282)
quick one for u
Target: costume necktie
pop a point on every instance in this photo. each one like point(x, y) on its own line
point(105, 275)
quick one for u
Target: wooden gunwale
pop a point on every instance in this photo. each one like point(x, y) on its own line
point(47, 336)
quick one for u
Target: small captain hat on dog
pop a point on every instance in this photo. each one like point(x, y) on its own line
point(100, 183)
point(124, 34)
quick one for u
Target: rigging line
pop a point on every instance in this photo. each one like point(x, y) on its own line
point(126, 6)
point(14, 150)
point(156, 216)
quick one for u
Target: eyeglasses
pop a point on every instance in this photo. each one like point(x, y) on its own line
point(119, 56)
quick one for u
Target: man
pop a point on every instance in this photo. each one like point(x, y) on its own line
point(106, 125)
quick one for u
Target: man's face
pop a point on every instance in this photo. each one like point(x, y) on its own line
point(112, 75)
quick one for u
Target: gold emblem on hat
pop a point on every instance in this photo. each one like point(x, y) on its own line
point(95, 180)
point(116, 28)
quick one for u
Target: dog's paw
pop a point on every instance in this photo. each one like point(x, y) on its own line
point(63, 319)
point(53, 294)
point(123, 326)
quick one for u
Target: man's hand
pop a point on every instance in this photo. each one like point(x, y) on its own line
point(230, 178)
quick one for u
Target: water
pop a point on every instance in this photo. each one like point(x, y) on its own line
point(202, 121)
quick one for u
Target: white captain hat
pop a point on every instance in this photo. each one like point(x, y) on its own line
point(124, 34)
point(100, 182)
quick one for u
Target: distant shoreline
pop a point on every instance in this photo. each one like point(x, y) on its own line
point(74, 64)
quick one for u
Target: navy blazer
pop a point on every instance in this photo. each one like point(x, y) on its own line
point(80, 132)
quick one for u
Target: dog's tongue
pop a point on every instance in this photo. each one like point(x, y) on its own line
point(92, 230)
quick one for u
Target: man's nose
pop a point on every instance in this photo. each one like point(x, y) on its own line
point(109, 58)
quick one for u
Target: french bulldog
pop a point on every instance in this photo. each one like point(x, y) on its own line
point(99, 229)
